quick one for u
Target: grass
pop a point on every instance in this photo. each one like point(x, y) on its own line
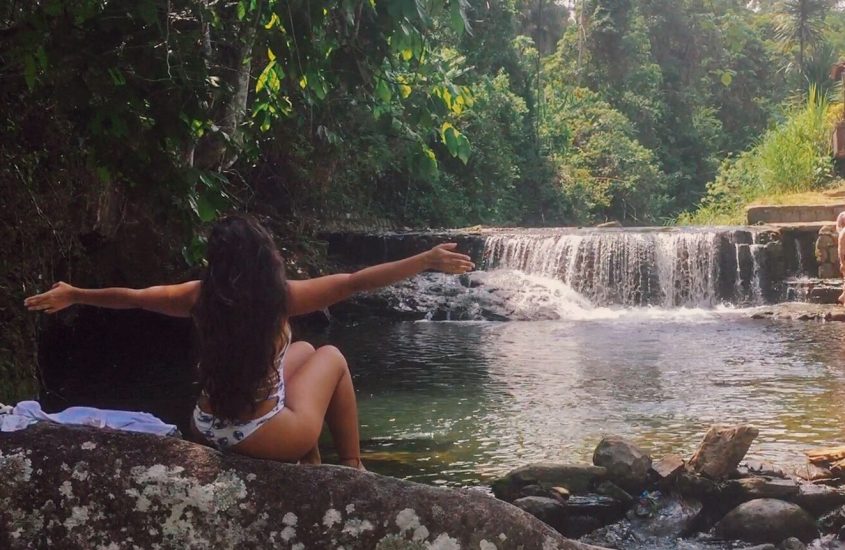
point(791, 164)
point(834, 195)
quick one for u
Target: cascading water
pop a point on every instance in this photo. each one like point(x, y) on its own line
point(667, 269)
point(568, 273)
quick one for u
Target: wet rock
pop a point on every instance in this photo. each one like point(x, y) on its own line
point(604, 508)
point(627, 465)
point(575, 478)
point(548, 510)
point(818, 499)
point(660, 517)
point(767, 520)
point(722, 449)
point(811, 472)
point(695, 486)
point(610, 489)
point(760, 468)
point(578, 526)
point(673, 516)
point(561, 492)
point(792, 544)
point(579, 516)
point(751, 488)
point(668, 467)
point(90, 488)
point(833, 521)
point(534, 491)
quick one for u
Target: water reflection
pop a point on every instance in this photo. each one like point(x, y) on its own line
point(458, 403)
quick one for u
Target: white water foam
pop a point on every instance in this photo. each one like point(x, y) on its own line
point(538, 297)
point(666, 269)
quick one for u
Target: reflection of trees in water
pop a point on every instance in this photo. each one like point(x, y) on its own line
point(423, 397)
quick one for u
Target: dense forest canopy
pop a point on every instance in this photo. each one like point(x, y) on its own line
point(138, 122)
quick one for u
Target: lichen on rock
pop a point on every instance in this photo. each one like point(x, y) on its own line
point(151, 492)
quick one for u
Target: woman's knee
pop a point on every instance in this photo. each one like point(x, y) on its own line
point(303, 347)
point(331, 353)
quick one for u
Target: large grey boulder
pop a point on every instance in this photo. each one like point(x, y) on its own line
point(577, 479)
point(767, 520)
point(627, 465)
point(86, 488)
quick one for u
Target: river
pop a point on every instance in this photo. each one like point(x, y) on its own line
point(459, 403)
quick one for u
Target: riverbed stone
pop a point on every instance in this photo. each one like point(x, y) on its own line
point(610, 489)
point(627, 465)
point(79, 487)
point(664, 518)
point(577, 478)
point(722, 449)
point(548, 510)
point(668, 467)
point(833, 521)
point(792, 543)
point(604, 508)
point(751, 488)
point(818, 499)
point(767, 520)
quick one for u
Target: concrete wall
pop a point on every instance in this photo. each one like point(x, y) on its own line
point(793, 214)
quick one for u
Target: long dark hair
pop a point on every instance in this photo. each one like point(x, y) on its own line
point(239, 314)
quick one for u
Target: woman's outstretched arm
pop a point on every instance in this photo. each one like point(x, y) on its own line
point(318, 293)
point(173, 300)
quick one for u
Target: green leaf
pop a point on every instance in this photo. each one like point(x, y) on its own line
point(451, 140)
point(241, 10)
point(29, 71)
point(264, 76)
point(727, 78)
point(463, 148)
point(456, 18)
point(383, 91)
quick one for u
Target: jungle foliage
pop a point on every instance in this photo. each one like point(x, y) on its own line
point(127, 126)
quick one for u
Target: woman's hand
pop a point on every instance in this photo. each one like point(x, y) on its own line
point(443, 258)
point(56, 299)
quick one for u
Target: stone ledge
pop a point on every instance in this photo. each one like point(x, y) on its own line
point(769, 214)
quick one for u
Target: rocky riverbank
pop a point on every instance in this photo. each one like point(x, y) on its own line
point(627, 500)
point(796, 311)
point(75, 487)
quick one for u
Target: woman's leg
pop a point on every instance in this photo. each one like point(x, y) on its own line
point(320, 388)
point(297, 354)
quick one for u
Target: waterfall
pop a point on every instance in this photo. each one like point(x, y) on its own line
point(661, 268)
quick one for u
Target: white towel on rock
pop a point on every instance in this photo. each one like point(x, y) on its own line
point(28, 412)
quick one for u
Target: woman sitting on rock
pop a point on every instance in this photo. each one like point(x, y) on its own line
point(262, 395)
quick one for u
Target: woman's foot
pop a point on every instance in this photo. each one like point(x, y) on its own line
point(353, 463)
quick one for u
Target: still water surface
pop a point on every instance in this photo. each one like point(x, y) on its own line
point(459, 403)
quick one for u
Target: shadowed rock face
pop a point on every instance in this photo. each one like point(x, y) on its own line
point(83, 487)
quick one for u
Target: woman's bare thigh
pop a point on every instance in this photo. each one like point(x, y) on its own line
point(294, 430)
point(298, 353)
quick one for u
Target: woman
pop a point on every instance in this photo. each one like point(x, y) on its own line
point(262, 395)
